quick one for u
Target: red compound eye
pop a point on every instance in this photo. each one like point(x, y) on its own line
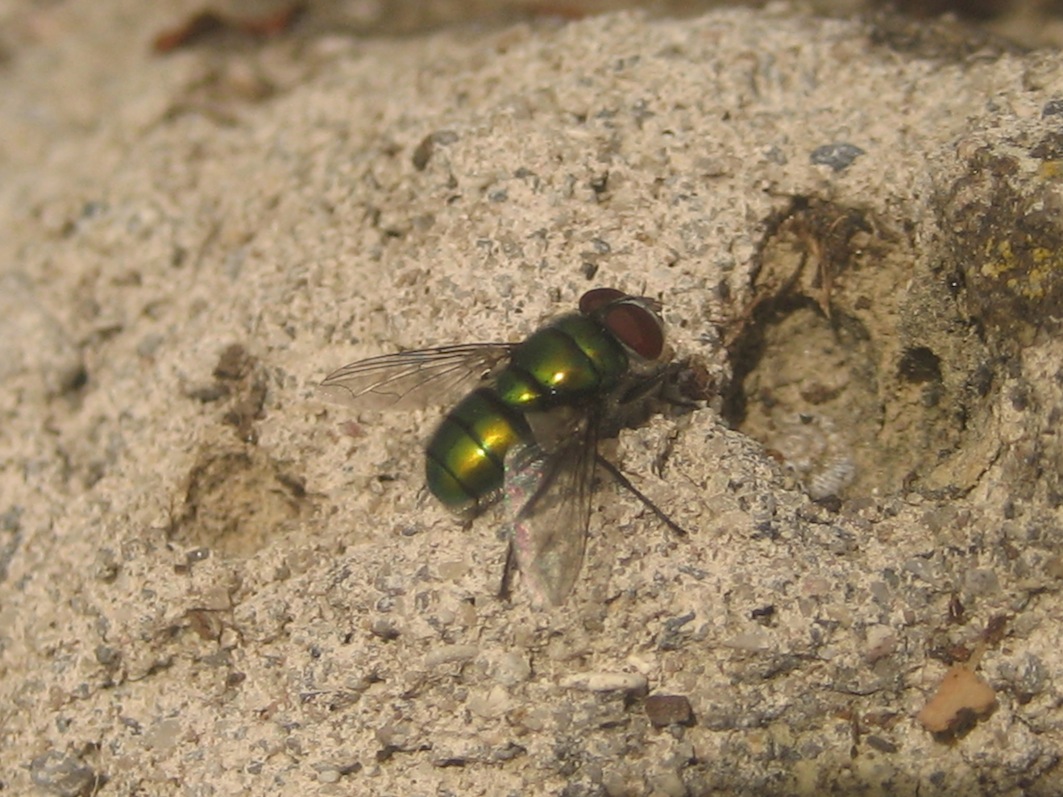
point(633, 323)
point(637, 328)
point(599, 297)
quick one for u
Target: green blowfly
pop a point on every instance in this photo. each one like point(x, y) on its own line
point(528, 428)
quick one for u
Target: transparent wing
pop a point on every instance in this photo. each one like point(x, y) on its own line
point(548, 496)
point(414, 379)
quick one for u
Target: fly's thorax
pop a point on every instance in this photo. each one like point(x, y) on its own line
point(571, 359)
point(464, 460)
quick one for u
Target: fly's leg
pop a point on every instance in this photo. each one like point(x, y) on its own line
point(664, 386)
point(624, 482)
point(505, 588)
point(645, 388)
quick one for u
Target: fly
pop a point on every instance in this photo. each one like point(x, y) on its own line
point(527, 429)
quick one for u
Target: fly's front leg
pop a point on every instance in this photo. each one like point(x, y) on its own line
point(676, 384)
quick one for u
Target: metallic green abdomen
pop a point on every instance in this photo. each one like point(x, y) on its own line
point(567, 362)
point(465, 457)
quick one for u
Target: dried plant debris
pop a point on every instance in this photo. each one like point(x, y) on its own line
point(240, 382)
point(208, 22)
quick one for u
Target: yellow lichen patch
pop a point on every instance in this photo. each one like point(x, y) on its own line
point(1030, 273)
point(1050, 170)
point(1004, 262)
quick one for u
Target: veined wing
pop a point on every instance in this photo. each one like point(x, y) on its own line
point(414, 379)
point(548, 497)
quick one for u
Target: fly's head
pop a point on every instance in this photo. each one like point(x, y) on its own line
point(635, 321)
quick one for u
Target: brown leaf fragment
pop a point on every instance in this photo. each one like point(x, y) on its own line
point(202, 24)
point(962, 697)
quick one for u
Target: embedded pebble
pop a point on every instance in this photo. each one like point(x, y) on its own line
point(837, 155)
point(493, 703)
point(329, 775)
point(607, 682)
point(163, 735)
point(751, 640)
point(920, 568)
point(881, 642)
point(980, 582)
point(961, 696)
point(665, 710)
point(448, 654)
point(510, 668)
point(668, 784)
point(34, 340)
point(61, 774)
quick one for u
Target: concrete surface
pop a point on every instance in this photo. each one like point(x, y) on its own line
point(213, 583)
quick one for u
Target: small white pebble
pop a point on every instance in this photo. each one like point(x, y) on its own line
point(606, 682)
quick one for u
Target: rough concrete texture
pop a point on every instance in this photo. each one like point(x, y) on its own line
point(213, 583)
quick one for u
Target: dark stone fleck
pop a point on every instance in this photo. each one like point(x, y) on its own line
point(384, 629)
point(1052, 108)
point(675, 623)
point(880, 744)
point(11, 519)
point(763, 614)
point(108, 656)
point(209, 393)
point(980, 380)
point(423, 152)
point(838, 156)
point(233, 362)
point(1048, 148)
point(66, 776)
point(919, 365)
point(665, 710)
